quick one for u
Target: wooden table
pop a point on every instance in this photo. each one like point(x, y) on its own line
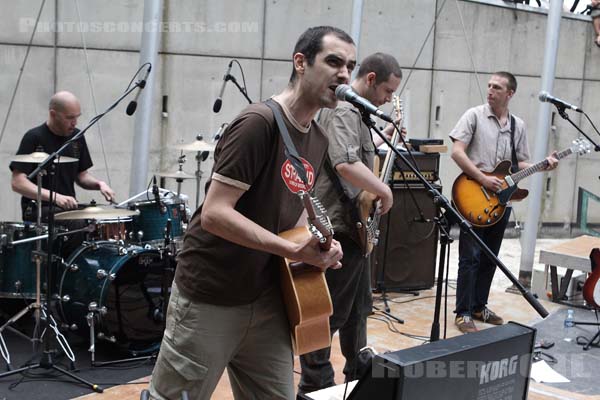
point(572, 255)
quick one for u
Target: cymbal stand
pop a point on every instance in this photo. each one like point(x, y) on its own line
point(37, 257)
point(180, 161)
point(41, 312)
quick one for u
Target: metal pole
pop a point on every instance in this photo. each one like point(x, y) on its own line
point(143, 116)
point(541, 144)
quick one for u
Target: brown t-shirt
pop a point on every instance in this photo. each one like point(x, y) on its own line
point(250, 156)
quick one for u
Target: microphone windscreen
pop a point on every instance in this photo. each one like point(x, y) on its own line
point(131, 107)
point(341, 90)
point(543, 96)
point(217, 105)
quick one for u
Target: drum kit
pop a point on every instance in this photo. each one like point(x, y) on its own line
point(115, 285)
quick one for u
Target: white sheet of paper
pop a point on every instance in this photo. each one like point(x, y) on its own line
point(542, 372)
point(332, 393)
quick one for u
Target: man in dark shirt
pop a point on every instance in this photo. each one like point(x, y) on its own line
point(64, 110)
point(225, 309)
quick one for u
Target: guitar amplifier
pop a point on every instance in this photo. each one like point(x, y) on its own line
point(427, 163)
point(494, 363)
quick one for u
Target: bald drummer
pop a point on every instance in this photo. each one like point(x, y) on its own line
point(63, 111)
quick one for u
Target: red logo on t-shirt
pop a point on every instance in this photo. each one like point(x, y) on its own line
point(293, 181)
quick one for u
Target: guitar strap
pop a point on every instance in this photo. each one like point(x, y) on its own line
point(290, 150)
point(515, 163)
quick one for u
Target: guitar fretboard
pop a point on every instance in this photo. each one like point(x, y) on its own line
point(524, 173)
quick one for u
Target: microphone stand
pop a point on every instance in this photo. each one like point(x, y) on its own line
point(242, 90)
point(562, 112)
point(451, 214)
point(47, 359)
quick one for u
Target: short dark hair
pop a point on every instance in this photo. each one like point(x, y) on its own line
point(512, 81)
point(310, 43)
point(382, 64)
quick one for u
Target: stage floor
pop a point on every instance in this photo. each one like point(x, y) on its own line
point(417, 312)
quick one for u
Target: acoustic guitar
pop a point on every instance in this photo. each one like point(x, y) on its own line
point(366, 202)
point(591, 287)
point(482, 207)
point(305, 292)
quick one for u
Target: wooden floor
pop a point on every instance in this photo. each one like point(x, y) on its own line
point(417, 311)
point(385, 335)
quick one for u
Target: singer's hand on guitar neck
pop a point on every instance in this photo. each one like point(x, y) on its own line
point(310, 253)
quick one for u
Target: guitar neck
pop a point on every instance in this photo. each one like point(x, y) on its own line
point(524, 173)
point(388, 163)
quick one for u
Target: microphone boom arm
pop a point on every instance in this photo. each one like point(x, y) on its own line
point(242, 90)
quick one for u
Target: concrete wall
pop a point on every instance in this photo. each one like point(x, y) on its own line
point(202, 36)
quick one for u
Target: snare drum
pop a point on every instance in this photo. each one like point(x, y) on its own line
point(151, 223)
point(112, 229)
point(17, 268)
point(125, 285)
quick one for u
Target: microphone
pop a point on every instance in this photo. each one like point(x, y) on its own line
point(345, 92)
point(219, 100)
point(141, 85)
point(544, 96)
point(161, 208)
point(218, 133)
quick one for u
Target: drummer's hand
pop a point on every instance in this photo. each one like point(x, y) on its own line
point(65, 202)
point(107, 192)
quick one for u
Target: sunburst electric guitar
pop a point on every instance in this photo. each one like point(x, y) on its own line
point(366, 202)
point(305, 292)
point(591, 287)
point(482, 207)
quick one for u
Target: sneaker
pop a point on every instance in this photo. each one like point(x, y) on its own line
point(465, 324)
point(488, 316)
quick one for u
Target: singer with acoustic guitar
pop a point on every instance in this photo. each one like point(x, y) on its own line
point(483, 137)
point(226, 309)
point(348, 171)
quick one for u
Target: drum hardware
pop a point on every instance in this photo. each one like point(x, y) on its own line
point(202, 150)
point(44, 322)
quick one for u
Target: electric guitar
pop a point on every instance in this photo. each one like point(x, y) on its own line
point(305, 292)
point(482, 207)
point(591, 287)
point(366, 203)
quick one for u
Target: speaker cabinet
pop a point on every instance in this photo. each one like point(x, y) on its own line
point(405, 257)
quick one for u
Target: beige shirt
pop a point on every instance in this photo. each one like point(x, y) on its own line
point(489, 143)
point(349, 142)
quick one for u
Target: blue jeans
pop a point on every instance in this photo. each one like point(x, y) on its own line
point(475, 269)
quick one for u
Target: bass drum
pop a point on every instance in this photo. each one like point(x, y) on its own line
point(126, 285)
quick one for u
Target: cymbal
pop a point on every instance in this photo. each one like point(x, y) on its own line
point(38, 156)
point(196, 145)
point(96, 212)
point(175, 174)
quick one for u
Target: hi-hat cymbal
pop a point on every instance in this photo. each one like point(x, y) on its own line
point(38, 156)
point(175, 174)
point(196, 145)
point(96, 212)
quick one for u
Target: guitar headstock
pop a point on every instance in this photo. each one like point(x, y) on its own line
point(581, 146)
point(319, 223)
